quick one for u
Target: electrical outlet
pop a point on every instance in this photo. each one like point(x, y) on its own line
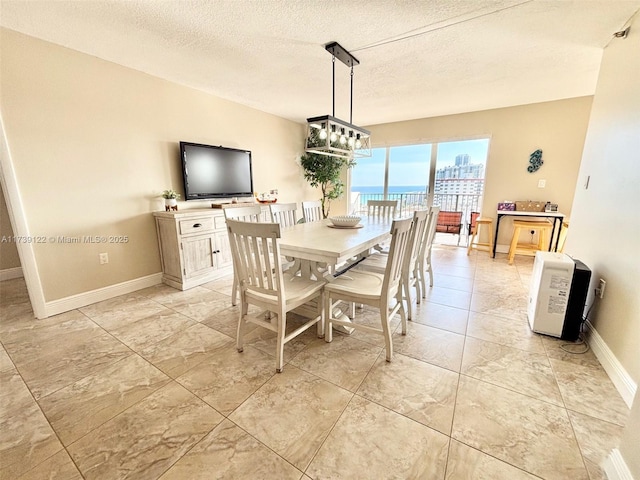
point(600, 289)
point(542, 183)
point(104, 258)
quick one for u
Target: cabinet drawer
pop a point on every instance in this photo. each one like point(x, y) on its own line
point(196, 225)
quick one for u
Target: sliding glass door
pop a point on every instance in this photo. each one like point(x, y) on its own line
point(447, 174)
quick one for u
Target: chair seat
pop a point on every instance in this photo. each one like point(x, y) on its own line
point(376, 262)
point(296, 288)
point(364, 285)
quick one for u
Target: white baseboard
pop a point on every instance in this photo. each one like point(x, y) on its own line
point(87, 298)
point(618, 375)
point(502, 248)
point(615, 467)
point(10, 273)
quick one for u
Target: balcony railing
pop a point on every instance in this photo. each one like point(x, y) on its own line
point(408, 202)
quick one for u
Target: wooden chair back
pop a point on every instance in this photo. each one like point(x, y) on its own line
point(312, 211)
point(256, 253)
point(430, 232)
point(418, 230)
point(284, 214)
point(382, 208)
point(400, 235)
point(251, 213)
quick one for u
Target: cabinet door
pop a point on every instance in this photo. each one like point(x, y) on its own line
point(198, 255)
point(223, 255)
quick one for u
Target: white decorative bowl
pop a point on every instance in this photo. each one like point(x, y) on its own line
point(345, 220)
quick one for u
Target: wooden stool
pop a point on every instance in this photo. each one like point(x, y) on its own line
point(475, 232)
point(542, 227)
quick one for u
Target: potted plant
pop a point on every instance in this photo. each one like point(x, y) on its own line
point(324, 171)
point(170, 199)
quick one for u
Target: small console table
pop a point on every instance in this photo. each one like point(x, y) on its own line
point(557, 217)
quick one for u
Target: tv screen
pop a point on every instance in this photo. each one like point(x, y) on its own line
point(215, 172)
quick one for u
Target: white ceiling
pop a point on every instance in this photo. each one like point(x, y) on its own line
point(450, 56)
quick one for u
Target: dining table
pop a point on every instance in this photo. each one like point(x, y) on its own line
point(319, 250)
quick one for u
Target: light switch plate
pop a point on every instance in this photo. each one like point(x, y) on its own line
point(542, 183)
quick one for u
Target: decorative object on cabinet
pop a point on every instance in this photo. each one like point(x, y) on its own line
point(266, 198)
point(507, 206)
point(535, 159)
point(170, 200)
point(530, 206)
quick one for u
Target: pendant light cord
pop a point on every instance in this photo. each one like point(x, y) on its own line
point(351, 99)
point(333, 64)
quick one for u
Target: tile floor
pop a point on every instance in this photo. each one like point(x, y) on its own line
point(149, 385)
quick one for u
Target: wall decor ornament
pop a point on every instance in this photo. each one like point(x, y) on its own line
point(535, 159)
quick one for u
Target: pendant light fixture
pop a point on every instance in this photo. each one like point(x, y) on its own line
point(328, 135)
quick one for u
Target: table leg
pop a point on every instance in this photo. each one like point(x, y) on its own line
point(319, 270)
point(495, 240)
point(561, 220)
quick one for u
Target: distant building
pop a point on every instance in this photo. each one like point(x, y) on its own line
point(463, 178)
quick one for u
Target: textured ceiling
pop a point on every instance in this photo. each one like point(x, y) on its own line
point(417, 58)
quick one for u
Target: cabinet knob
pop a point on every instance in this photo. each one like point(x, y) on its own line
point(197, 225)
point(216, 251)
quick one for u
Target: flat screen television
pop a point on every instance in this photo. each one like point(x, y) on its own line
point(215, 172)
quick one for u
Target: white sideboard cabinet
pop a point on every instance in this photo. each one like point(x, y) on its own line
point(194, 247)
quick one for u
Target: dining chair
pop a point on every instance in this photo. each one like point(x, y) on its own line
point(373, 289)
point(251, 213)
point(382, 208)
point(312, 211)
point(424, 254)
point(450, 222)
point(284, 214)
point(256, 251)
point(378, 262)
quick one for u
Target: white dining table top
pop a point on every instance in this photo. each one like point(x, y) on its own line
point(316, 241)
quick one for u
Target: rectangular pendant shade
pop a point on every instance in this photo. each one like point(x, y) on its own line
point(328, 135)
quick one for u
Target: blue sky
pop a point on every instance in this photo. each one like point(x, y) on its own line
point(410, 164)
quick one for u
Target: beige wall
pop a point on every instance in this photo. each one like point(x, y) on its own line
point(8, 251)
point(558, 128)
point(605, 227)
point(93, 144)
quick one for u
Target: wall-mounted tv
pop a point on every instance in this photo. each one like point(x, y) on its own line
point(215, 172)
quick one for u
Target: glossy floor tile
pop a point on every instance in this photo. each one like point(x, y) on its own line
point(150, 385)
point(533, 435)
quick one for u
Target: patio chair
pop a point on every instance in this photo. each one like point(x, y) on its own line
point(450, 222)
point(256, 253)
point(373, 289)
